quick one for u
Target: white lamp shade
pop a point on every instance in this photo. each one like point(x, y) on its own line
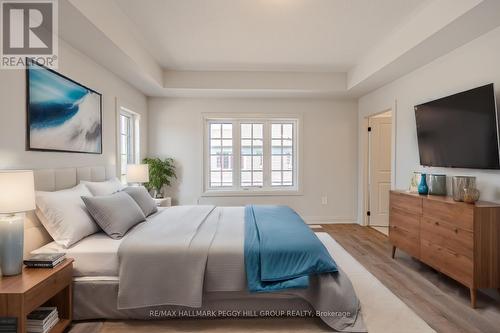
point(17, 191)
point(137, 173)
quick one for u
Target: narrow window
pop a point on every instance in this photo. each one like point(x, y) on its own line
point(252, 155)
point(128, 141)
point(221, 154)
point(282, 164)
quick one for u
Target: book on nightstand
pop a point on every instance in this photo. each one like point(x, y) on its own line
point(42, 320)
point(45, 260)
point(8, 324)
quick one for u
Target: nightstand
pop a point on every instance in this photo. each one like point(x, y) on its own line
point(34, 287)
point(163, 202)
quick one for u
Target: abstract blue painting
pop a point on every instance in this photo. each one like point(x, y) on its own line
point(62, 114)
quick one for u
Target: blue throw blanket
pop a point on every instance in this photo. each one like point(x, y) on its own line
point(281, 251)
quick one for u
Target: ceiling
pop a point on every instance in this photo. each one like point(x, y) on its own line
point(264, 35)
point(270, 48)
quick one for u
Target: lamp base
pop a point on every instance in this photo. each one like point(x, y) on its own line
point(11, 244)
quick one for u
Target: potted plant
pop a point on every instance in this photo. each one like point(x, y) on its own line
point(161, 172)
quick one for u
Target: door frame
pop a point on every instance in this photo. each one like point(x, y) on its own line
point(366, 158)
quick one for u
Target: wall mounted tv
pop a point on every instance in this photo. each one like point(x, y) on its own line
point(460, 131)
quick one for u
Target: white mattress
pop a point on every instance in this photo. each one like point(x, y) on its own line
point(95, 255)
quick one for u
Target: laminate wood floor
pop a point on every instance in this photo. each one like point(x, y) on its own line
point(244, 325)
point(443, 303)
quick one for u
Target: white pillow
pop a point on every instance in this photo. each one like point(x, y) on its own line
point(64, 214)
point(107, 187)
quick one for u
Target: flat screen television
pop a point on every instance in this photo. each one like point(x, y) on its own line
point(460, 131)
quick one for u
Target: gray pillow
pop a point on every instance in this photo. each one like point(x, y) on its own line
point(142, 198)
point(115, 213)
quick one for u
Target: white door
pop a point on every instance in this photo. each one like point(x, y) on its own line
point(379, 169)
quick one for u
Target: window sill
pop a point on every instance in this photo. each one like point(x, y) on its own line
point(251, 193)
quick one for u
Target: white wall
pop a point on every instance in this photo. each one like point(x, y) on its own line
point(469, 66)
point(329, 151)
point(81, 69)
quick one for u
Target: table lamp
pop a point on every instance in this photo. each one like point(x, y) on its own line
point(17, 196)
point(137, 173)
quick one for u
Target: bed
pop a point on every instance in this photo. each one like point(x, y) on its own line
point(224, 290)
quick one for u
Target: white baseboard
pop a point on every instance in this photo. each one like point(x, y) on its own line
point(329, 220)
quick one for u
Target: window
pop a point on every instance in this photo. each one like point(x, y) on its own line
point(128, 140)
point(282, 155)
point(257, 155)
point(221, 155)
point(252, 155)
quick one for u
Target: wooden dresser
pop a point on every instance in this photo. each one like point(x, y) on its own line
point(458, 239)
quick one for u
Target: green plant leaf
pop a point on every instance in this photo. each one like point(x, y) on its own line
point(161, 172)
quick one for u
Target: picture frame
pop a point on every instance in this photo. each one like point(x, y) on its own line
point(62, 115)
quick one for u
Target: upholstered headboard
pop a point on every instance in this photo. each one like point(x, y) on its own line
point(35, 234)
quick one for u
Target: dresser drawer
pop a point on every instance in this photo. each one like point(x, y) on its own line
point(458, 214)
point(406, 203)
point(444, 234)
point(410, 222)
point(453, 264)
point(404, 231)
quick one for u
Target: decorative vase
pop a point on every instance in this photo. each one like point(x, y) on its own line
point(437, 184)
point(471, 195)
point(415, 179)
point(460, 183)
point(422, 187)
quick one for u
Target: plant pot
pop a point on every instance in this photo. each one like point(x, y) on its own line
point(157, 194)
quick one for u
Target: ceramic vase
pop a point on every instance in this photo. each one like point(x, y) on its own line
point(422, 187)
